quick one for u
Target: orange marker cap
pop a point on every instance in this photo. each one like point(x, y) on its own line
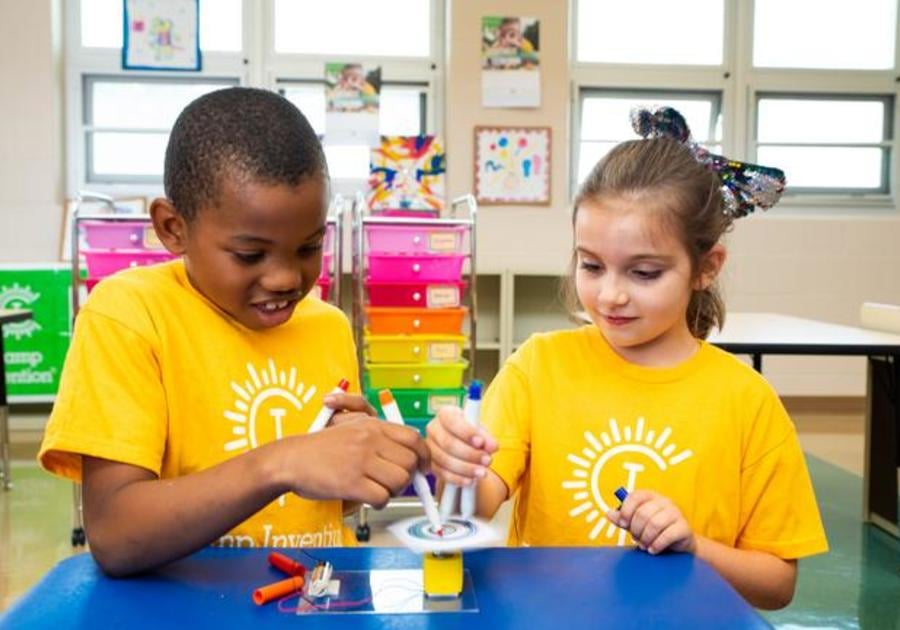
point(285, 564)
point(385, 397)
point(267, 593)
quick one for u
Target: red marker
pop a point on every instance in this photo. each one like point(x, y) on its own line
point(326, 412)
point(286, 565)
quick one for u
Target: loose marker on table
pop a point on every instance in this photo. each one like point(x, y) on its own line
point(392, 414)
point(326, 412)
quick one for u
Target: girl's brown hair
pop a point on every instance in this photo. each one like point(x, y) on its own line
point(685, 193)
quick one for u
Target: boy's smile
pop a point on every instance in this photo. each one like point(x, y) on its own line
point(258, 252)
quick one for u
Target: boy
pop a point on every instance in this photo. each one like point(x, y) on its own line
point(189, 386)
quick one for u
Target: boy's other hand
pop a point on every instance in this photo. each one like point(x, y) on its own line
point(654, 522)
point(348, 407)
point(460, 452)
point(361, 459)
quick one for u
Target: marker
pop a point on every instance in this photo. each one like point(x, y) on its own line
point(392, 415)
point(621, 495)
point(326, 412)
point(472, 411)
point(285, 564)
point(272, 591)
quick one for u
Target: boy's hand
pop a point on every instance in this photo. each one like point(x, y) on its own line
point(348, 407)
point(459, 451)
point(655, 523)
point(365, 460)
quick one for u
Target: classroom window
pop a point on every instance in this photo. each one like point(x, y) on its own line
point(605, 120)
point(827, 144)
point(402, 111)
point(832, 34)
point(127, 122)
point(398, 28)
point(220, 24)
point(651, 32)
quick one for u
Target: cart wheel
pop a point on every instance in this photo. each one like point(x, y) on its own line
point(362, 533)
point(78, 538)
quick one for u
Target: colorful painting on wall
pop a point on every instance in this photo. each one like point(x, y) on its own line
point(407, 173)
point(512, 165)
point(161, 35)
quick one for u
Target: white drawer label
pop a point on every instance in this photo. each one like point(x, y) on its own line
point(151, 240)
point(437, 401)
point(443, 351)
point(438, 297)
point(443, 241)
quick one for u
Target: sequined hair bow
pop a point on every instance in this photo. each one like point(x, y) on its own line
point(744, 186)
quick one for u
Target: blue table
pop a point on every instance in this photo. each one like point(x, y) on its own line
point(514, 587)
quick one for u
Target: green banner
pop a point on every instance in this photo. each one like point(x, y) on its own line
point(34, 350)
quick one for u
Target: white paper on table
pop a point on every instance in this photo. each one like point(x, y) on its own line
point(417, 534)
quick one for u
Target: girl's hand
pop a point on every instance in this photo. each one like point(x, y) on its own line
point(460, 452)
point(654, 522)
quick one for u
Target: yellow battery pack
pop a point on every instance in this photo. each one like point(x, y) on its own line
point(442, 574)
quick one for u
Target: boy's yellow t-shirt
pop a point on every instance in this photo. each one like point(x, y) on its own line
point(575, 421)
point(158, 377)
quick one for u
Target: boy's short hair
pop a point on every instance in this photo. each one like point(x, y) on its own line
point(247, 134)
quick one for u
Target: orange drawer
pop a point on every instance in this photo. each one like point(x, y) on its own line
point(385, 320)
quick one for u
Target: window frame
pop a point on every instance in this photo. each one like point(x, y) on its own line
point(712, 96)
point(256, 65)
point(739, 83)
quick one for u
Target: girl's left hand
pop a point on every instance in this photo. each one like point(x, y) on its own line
point(654, 522)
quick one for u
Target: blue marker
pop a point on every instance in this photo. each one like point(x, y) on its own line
point(472, 411)
point(621, 495)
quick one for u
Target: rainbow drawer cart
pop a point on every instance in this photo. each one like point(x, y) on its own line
point(414, 309)
point(110, 240)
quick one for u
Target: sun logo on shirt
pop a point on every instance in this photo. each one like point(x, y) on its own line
point(267, 402)
point(618, 457)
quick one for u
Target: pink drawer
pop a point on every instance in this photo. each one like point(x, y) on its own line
point(322, 288)
point(328, 241)
point(103, 263)
point(327, 260)
point(383, 268)
point(90, 283)
point(120, 235)
point(415, 239)
point(406, 213)
point(429, 295)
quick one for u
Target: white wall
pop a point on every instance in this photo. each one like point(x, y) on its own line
point(31, 134)
point(815, 264)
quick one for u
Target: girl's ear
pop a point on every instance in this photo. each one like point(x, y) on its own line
point(170, 226)
point(710, 266)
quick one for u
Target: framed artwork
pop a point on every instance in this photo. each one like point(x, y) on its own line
point(161, 35)
point(407, 172)
point(512, 165)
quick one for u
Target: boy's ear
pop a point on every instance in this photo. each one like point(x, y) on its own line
point(170, 226)
point(710, 266)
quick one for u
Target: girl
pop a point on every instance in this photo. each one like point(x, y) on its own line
point(638, 399)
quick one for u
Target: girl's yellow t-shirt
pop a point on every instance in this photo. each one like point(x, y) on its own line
point(575, 421)
point(158, 377)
